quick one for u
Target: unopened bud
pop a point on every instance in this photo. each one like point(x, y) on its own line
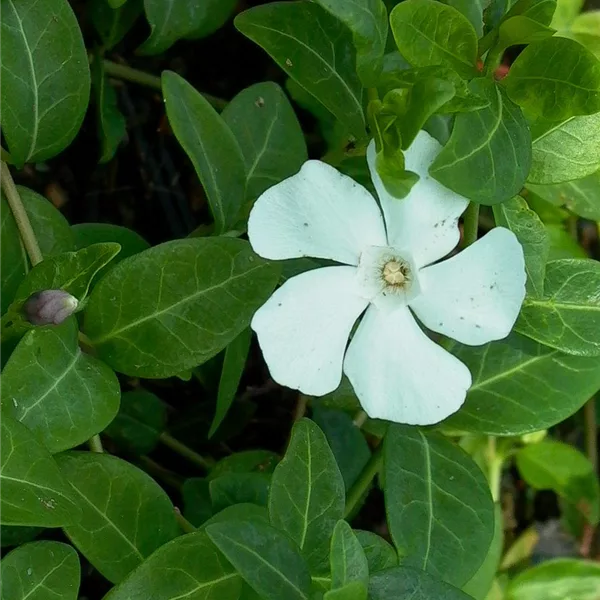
point(49, 307)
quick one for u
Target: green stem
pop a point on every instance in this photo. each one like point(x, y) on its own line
point(470, 224)
point(301, 406)
point(186, 452)
point(185, 525)
point(113, 69)
point(591, 432)
point(95, 444)
point(360, 418)
point(5, 156)
point(361, 485)
point(18, 210)
point(492, 60)
point(495, 462)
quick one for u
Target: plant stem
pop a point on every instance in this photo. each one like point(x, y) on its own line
point(301, 405)
point(185, 525)
point(113, 69)
point(18, 210)
point(5, 156)
point(470, 224)
point(95, 444)
point(591, 432)
point(360, 418)
point(361, 485)
point(494, 461)
point(186, 452)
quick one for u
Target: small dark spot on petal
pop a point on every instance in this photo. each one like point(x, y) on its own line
point(477, 326)
point(279, 304)
point(305, 224)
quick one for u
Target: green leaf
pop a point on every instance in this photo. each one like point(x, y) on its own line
point(110, 120)
point(532, 235)
point(307, 494)
point(412, 584)
point(555, 79)
point(368, 22)
point(566, 12)
point(61, 394)
point(187, 567)
point(481, 582)
point(439, 508)
point(568, 316)
point(197, 504)
point(239, 512)
point(247, 461)
point(556, 386)
point(347, 443)
point(231, 374)
point(557, 580)
point(521, 30)
point(52, 232)
point(431, 33)
point(45, 78)
point(555, 466)
point(211, 147)
point(541, 11)
point(353, 590)
point(198, 295)
point(238, 488)
point(565, 151)
point(585, 28)
point(126, 515)
point(581, 197)
point(313, 48)
point(489, 152)
point(69, 271)
point(267, 560)
point(112, 24)
point(473, 10)
point(40, 571)
point(170, 20)
point(211, 15)
point(348, 560)
point(267, 130)
point(33, 490)
point(380, 555)
point(141, 419)
point(14, 535)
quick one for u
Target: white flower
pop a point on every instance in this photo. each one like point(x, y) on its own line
point(397, 371)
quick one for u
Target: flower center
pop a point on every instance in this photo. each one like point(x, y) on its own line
point(395, 272)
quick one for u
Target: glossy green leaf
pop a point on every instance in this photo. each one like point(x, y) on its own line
point(520, 30)
point(211, 15)
point(198, 295)
point(211, 147)
point(112, 24)
point(239, 488)
point(61, 394)
point(52, 232)
point(439, 508)
point(405, 582)
point(267, 130)
point(347, 443)
point(307, 494)
point(126, 515)
point(555, 79)
point(170, 20)
point(45, 78)
point(239, 512)
point(565, 151)
point(33, 489)
point(585, 28)
point(315, 49)
point(489, 152)
point(368, 22)
point(141, 419)
point(197, 504)
point(267, 560)
point(566, 12)
point(187, 567)
point(561, 468)
point(69, 271)
point(532, 235)
point(567, 317)
point(247, 461)
point(40, 571)
point(541, 11)
point(481, 582)
point(557, 580)
point(431, 33)
point(110, 121)
point(234, 363)
point(353, 590)
point(348, 560)
point(380, 554)
point(473, 10)
point(582, 196)
point(557, 385)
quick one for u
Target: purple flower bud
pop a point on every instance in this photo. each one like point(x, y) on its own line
point(49, 307)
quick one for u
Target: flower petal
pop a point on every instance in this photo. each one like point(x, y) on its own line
point(304, 327)
point(399, 374)
point(426, 220)
point(475, 296)
point(318, 212)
